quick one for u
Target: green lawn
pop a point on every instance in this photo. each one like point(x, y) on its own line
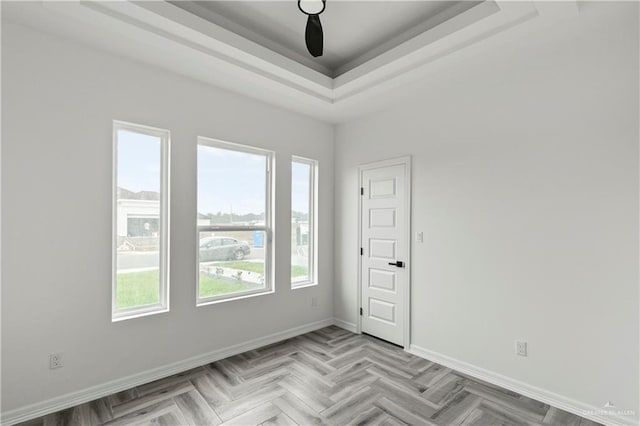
point(141, 288)
point(257, 267)
point(296, 270)
point(215, 286)
point(299, 271)
point(137, 288)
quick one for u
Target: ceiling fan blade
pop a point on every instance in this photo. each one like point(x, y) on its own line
point(313, 35)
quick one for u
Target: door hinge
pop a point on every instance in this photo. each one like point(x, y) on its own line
point(360, 311)
point(361, 251)
point(361, 191)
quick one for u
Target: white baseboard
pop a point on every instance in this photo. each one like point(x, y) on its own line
point(346, 325)
point(72, 399)
point(596, 414)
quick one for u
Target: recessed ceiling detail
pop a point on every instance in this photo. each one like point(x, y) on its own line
point(354, 31)
point(372, 50)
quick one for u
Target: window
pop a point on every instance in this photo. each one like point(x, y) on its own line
point(234, 221)
point(303, 225)
point(140, 221)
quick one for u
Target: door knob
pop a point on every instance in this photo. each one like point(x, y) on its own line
point(399, 264)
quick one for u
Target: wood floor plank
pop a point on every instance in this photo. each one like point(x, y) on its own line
point(349, 408)
point(369, 417)
point(262, 369)
point(412, 403)
point(195, 409)
point(499, 414)
point(61, 418)
point(556, 416)
point(298, 410)
point(399, 380)
point(254, 416)
point(33, 422)
point(445, 389)
point(392, 421)
point(419, 364)
point(344, 373)
point(171, 419)
point(244, 404)
point(121, 397)
point(456, 410)
point(209, 391)
point(144, 414)
point(280, 420)
point(269, 379)
point(151, 399)
point(390, 365)
point(390, 351)
point(169, 381)
point(342, 345)
point(527, 407)
point(326, 377)
point(354, 383)
point(314, 364)
point(398, 414)
point(318, 381)
point(354, 355)
point(431, 375)
point(91, 413)
point(311, 396)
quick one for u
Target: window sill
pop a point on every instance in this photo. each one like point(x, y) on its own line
point(303, 284)
point(123, 316)
point(212, 301)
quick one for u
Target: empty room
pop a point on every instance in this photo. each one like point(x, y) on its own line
point(320, 212)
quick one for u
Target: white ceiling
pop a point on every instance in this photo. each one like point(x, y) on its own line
point(276, 71)
point(354, 31)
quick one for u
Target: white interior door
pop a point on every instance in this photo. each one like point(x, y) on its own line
point(384, 277)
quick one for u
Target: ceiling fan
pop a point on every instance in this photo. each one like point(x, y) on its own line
point(313, 33)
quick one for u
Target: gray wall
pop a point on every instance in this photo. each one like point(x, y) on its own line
point(58, 103)
point(525, 184)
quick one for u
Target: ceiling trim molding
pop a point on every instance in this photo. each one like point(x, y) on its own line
point(185, 43)
point(162, 19)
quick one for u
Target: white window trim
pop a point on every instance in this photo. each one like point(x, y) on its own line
point(268, 227)
point(163, 304)
point(313, 224)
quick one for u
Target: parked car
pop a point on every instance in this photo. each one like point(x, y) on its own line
point(223, 248)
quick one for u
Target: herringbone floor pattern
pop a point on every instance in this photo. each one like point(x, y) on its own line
point(329, 376)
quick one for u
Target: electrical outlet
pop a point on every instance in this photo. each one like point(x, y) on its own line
point(521, 348)
point(419, 237)
point(55, 361)
point(314, 301)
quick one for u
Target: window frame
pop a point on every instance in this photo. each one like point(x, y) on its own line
point(163, 265)
point(267, 228)
point(313, 225)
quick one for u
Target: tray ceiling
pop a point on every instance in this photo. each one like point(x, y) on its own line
point(376, 52)
point(354, 31)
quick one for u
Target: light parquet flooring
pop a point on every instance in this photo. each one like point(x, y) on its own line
point(327, 377)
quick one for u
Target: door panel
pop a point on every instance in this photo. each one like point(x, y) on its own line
point(382, 310)
point(382, 280)
point(384, 234)
point(382, 218)
point(382, 188)
point(382, 249)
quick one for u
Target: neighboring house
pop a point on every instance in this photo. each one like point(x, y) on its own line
point(138, 215)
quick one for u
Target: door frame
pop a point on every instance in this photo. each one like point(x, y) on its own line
point(406, 161)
